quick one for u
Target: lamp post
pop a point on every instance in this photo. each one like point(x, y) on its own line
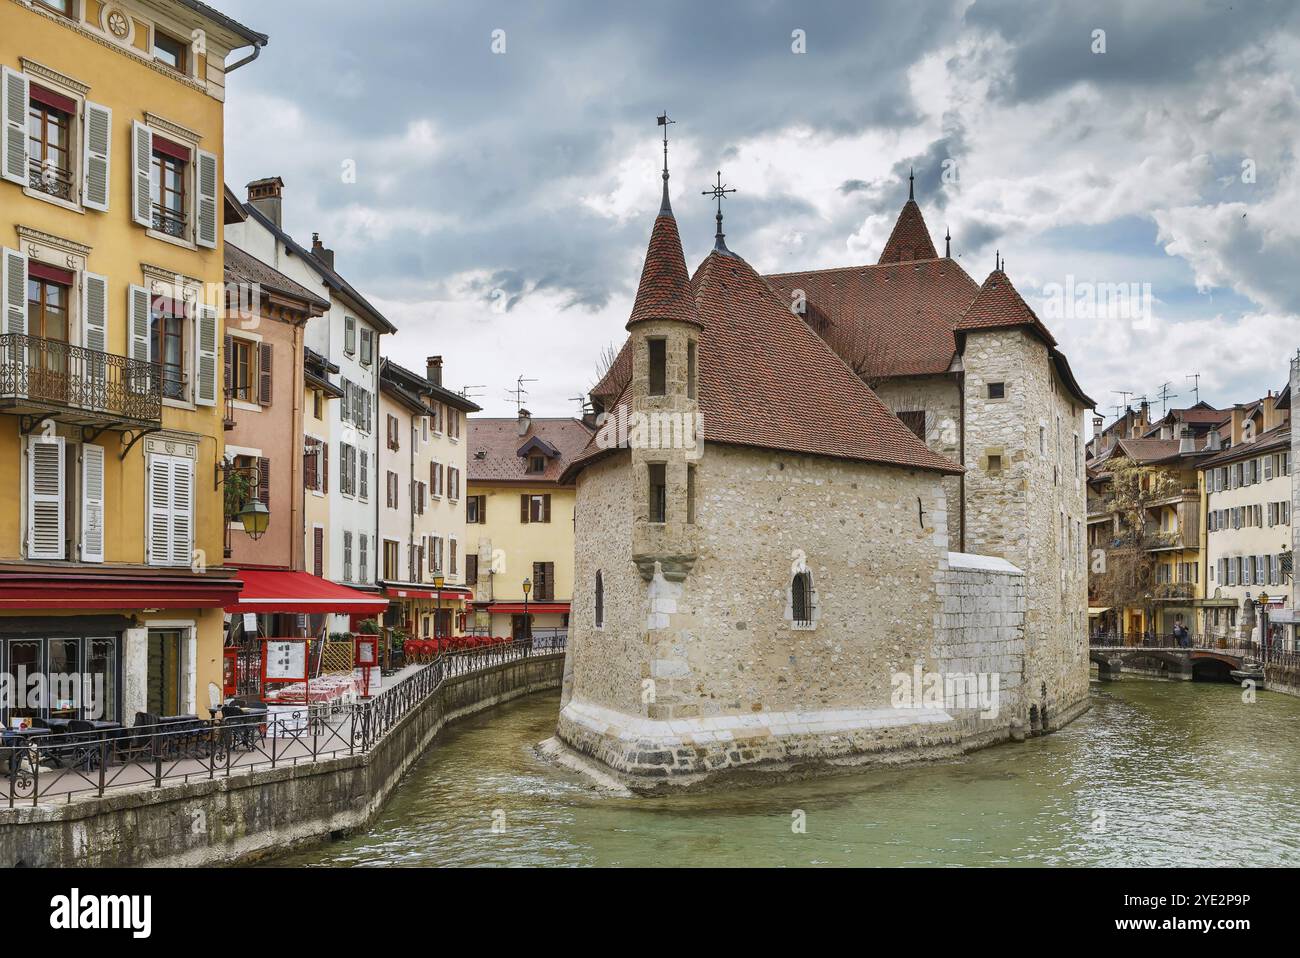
point(528, 624)
point(253, 515)
point(1263, 625)
point(437, 614)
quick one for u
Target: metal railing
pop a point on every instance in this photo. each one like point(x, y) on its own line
point(49, 371)
point(167, 221)
point(156, 751)
point(49, 179)
point(1168, 642)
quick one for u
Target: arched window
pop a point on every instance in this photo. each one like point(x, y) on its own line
point(600, 600)
point(801, 599)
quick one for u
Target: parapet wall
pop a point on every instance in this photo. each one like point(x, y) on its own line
point(245, 817)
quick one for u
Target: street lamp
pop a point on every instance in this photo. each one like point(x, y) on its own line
point(1263, 624)
point(437, 615)
point(528, 625)
point(253, 515)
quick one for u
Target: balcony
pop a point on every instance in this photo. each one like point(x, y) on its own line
point(43, 377)
point(1175, 540)
point(1180, 591)
point(48, 178)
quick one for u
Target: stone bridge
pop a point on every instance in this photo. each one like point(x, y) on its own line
point(1172, 662)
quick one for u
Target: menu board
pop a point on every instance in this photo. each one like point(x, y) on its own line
point(284, 660)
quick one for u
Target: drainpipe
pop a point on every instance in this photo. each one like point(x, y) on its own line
point(257, 52)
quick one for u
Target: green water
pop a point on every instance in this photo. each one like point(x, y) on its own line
point(1186, 774)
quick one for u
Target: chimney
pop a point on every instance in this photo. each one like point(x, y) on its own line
point(1213, 442)
point(525, 421)
point(1238, 422)
point(265, 196)
point(1186, 442)
point(1098, 425)
point(318, 250)
point(433, 370)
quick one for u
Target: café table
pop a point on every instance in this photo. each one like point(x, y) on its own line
point(14, 743)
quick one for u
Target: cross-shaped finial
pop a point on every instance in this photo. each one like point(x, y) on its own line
point(718, 192)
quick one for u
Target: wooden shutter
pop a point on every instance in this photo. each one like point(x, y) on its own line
point(14, 293)
point(182, 509)
point(205, 359)
point(349, 333)
point(208, 189)
point(141, 174)
point(264, 481)
point(482, 509)
point(365, 474)
point(318, 551)
point(523, 508)
point(325, 467)
point(45, 493)
point(138, 332)
point(92, 503)
point(311, 463)
point(433, 478)
point(97, 155)
point(94, 336)
point(546, 508)
point(265, 360)
point(228, 351)
point(158, 546)
point(15, 94)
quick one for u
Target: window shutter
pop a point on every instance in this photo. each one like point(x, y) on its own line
point(182, 509)
point(228, 352)
point(482, 508)
point(206, 214)
point(546, 508)
point(264, 370)
point(141, 174)
point(158, 547)
point(92, 503)
point(264, 481)
point(310, 477)
point(318, 551)
point(365, 474)
point(45, 498)
point(349, 334)
point(99, 150)
point(325, 467)
point(138, 311)
point(16, 94)
point(523, 508)
point(15, 293)
point(205, 364)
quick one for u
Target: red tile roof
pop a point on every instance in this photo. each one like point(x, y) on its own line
point(665, 289)
point(892, 320)
point(910, 239)
point(499, 442)
point(998, 305)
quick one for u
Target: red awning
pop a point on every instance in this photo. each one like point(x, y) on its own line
point(114, 589)
point(267, 591)
point(395, 592)
point(517, 608)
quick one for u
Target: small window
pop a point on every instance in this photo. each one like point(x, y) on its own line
point(167, 332)
point(690, 495)
point(49, 146)
point(658, 492)
point(170, 51)
point(58, 6)
point(318, 404)
point(997, 390)
point(691, 369)
point(600, 600)
point(242, 370)
point(994, 466)
point(658, 350)
point(801, 603)
point(536, 464)
point(168, 189)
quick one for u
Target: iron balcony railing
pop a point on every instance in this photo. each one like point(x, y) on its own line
point(48, 178)
point(169, 221)
point(48, 372)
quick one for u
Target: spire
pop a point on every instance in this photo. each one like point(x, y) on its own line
point(665, 289)
point(947, 243)
point(911, 180)
point(719, 238)
point(910, 239)
point(665, 208)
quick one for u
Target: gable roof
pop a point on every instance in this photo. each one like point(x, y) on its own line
point(242, 267)
point(885, 320)
point(494, 446)
point(1279, 437)
point(329, 276)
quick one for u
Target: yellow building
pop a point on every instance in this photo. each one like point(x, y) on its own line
point(520, 517)
point(110, 353)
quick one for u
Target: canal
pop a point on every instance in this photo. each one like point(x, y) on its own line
point(1157, 773)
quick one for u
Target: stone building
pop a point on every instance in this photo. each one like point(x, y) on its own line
point(764, 518)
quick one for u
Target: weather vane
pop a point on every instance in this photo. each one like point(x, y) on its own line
point(718, 192)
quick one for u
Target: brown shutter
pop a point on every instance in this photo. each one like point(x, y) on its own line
point(482, 509)
point(309, 465)
point(264, 481)
point(229, 349)
point(264, 374)
point(523, 508)
point(546, 507)
point(433, 478)
point(318, 551)
point(325, 467)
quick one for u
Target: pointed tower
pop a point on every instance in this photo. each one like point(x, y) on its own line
point(910, 239)
point(663, 397)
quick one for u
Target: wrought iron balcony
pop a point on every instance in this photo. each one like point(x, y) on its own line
point(167, 221)
point(41, 376)
point(48, 178)
point(1174, 590)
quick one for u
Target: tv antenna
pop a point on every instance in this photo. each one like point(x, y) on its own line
point(519, 392)
point(1196, 386)
point(465, 391)
point(1164, 396)
point(583, 405)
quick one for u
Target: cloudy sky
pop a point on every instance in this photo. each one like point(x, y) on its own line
point(503, 197)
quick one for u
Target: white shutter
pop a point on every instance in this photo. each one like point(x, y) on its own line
point(207, 191)
point(98, 152)
point(45, 497)
point(159, 522)
point(182, 538)
point(205, 345)
point(15, 93)
point(92, 503)
point(137, 310)
point(15, 292)
point(141, 174)
point(94, 312)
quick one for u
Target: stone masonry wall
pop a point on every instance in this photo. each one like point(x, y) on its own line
point(1033, 513)
point(939, 397)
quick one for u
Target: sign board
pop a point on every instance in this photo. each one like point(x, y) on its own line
point(284, 660)
point(230, 671)
point(250, 623)
point(367, 650)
